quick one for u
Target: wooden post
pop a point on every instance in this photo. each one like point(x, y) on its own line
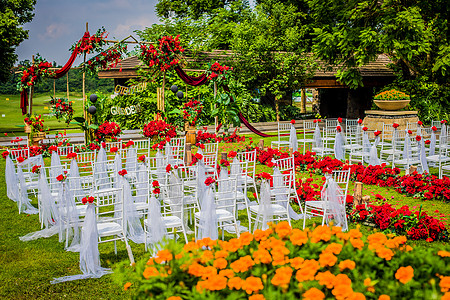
point(223, 155)
point(54, 88)
point(277, 109)
point(357, 195)
point(163, 103)
point(303, 101)
point(86, 134)
point(291, 151)
point(188, 156)
point(67, 83)
point(261, 144)
point(216, 119)
point(186, 93)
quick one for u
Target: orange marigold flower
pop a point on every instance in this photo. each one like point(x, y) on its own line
point(150, 272)
point(206, 242)
point(221, 254)
point(308, 270)
point(196, 269)
point(446, 296)
point(296, 262)
point(208, 272)
point(404, 274)
point(256, 297)
point(355, 233)
point(298, 237)
point(334, 248)
point(206, 256)
point(174, 298)
point(163, 256)
point(243, 264)
point(220, 263)
point(246, 238)
point(384, 297)
point(191, 246)
point(357, 243)
point(232, 245)
point(279, 255)
point(377, 238)
point(216, 283)
point(347, 264)
point(443, 253)
point(282, 277)
point(235, 283)
point(126, 286)
point(262, 256)
point(283, 229)
point(260, 235)
point(326, 278)
point(445, 284)
point(342, 291)
point(385, 253)
point(327, 259)
point(252, 284)
point(313, 294)
point(357, 296)
point(227, 273)
point(321, 233)
point(342, 279)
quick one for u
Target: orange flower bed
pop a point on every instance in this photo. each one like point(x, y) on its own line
point(282, 262)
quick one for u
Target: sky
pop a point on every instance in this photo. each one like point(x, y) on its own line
point(58, 24)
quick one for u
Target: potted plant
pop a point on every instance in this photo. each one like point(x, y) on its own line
point(391, 100)
point(34, 125)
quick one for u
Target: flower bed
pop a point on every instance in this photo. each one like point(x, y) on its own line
point(206, 137)
point(286, 263)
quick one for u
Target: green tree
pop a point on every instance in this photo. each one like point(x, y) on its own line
point(13, 14)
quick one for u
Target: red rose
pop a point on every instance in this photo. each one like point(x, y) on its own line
point(156, 191)
point(360, 121)
point(340, 120)
point(71, 155)
point(198, 156)
point(60, 177)
point(338, 128)
point(418, 138)
point(292, 121)
point(35, 169)
point(20, 159)
point(419, 123)
point(141, 158)
point(123, 172)
point(434, 128)
point(103, 145)
point(113, 149)
point(209, 180)
point(5, 154)
point(427, 142)
point(84, 200)
point(168, 168)
point(155, 183)
point(395, 125)
point(365, 128)
point(409, 132)
point(91, 199)
point(377, 133)
point(232, 154)
point(443, 121)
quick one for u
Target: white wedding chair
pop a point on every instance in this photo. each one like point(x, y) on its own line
point(320, 208)
point(308, 131)
point(442, 159)
point(283, 130)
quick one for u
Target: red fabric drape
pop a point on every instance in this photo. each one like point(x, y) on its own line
point(191, 80)
point(202, 79)
point(63, 71)
point(23, 101)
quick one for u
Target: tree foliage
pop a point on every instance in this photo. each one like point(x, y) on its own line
point(13, 14)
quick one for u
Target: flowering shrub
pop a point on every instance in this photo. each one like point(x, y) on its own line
point(391, 95)
point(191, 111)
point(286, 263)
point(106, 59)
point(62, 108)
point(414, 225)
point(159, 130)
point(35, 122)
point(90, 43)
point(165, 55)
point(108, 130)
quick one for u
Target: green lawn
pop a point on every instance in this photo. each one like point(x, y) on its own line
point(28, 267)
point(12, 121)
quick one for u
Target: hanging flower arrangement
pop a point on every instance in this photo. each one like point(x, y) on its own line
point(90, 43)
point(106, 59)
point(62, 108)
point(218, 73)
point(191, 111)
point(33, 72)
point(164, 56)
point(108, 130)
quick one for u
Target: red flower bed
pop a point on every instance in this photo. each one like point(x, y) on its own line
point(415, 225)
point(206, 137)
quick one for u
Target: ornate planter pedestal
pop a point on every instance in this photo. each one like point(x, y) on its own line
point(375, 119)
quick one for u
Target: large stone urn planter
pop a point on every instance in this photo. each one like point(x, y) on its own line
point(391, 105)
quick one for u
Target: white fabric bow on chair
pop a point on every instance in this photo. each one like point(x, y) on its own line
point(335, 209)
point(374, 160)
point(208, 223)
point(293, 143)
